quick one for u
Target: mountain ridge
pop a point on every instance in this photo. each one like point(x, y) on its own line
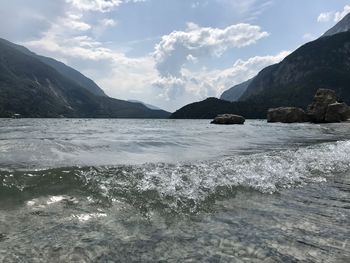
point(342, 26)
point(322, 63)
point(235, 93)
point(62, 68)
point(31, 88)
point(150, 106)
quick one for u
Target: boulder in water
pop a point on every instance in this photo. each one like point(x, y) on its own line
point(228, 119)
point(318, 109)
point(337, 112)
point(287, 115)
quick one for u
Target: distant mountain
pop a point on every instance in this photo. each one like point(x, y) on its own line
point(152, 107)
point(33, 88)
point(211, 107)
point(323, 63)
point(235, 93)
point(63, 69)
point(342, 26)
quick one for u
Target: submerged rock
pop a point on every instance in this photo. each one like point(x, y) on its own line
point(287, 115)
point(318, 109)
point(228, 119)
point(337, 112)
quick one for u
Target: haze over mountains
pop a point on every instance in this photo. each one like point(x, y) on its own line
point(323, 63)
point(235, 93)
point(37, 86)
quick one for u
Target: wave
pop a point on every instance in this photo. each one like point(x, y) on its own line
point(186, 186)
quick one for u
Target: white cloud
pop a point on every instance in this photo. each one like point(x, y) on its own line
point(162, 78)
point(172, 53)
point(325, 17)
point(341, 14)
point(73, 22)
point(334, 16)
point(82, 47)
point(198, 85)
point(309, 37)
point(177, 83)
point(242, 70)
point(107, 22)
point(99, 5)
point(95, 5)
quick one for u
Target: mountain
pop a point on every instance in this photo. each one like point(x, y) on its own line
point(63, 69)
point(152, 107)
point(342, 26)
point(323, 63)
point(235, 93)
point(32, 88)
point(211, 107)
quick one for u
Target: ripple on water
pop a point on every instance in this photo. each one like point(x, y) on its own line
point(285, 205)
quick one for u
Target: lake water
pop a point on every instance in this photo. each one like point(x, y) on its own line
point(173, 191)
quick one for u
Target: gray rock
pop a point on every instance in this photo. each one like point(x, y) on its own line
point(318, 109)
point(287, 115)
point(228, 119)
point(337, 112)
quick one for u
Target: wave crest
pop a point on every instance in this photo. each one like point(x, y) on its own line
point(188, 186)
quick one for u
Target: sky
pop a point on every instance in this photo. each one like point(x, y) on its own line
point(167, 52)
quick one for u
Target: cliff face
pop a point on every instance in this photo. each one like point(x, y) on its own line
point(236, 92)
point(323, 63)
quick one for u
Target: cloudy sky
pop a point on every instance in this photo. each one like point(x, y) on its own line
point(167, 52)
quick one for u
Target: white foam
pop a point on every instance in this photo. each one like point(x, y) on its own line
point(266, 172)
point(177, 184)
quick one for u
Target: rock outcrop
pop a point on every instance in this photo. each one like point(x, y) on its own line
point(318, 109)
point(326, 109)
point(228, 119)
point(337, 112)
point(287, 115)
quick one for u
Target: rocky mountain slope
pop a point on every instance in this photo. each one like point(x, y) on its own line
point(63, 69)
point(342, 26)
point(36, 86)
point(236, 92)
point(323, 63)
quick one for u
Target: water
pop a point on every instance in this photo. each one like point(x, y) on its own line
point(173, 191)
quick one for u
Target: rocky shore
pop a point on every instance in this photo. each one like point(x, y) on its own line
point(325, 108)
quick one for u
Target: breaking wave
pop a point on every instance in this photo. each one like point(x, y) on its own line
point(186, 186)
